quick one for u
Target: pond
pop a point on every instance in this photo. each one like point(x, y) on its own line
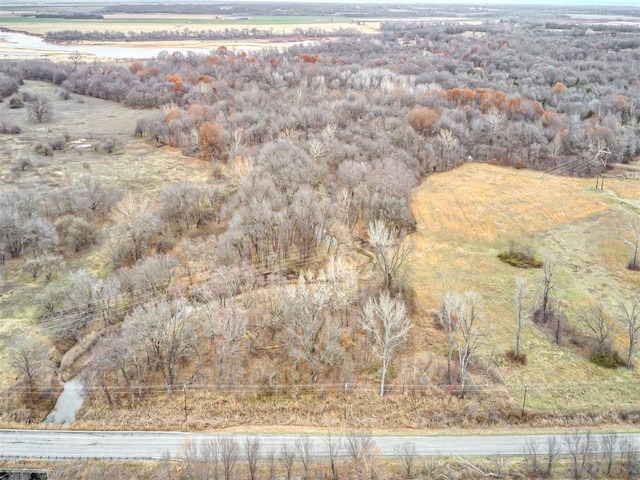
point(68, 403)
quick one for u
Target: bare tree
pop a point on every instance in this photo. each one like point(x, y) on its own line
point(388, 323)
point(548, 284)
point(407, 454)
point(229, 451)
point(598, 152)
point(252, 454)
point(238, 170)
point(304, 447)
point(581, 448)
point(630, 458)
point(29, 357)
point(287, 457)
point(631, 319)
point(188, 205)
point(469, 335)
point(312, 329)
point(519, 298)
point(495, 124)
point(165, 330)
point(271, 465)
point(38, 236)
point(201, 459)
point(360, 450)
point(210, 454)
point(39, 110)
point(598, 323)
point(76, 231)
point(390, 250)
point(532, 459)
point(136, 223)
point(225, 328)
point(449, 315)
point(333, 443)
point(634, 242)
point(553, 452)
point(80, 296)
point(74, 57)
point(95, 194)
point(447, 143)
point(154, 274)
point(44, 265)
point(610, 446)
point(317, 149)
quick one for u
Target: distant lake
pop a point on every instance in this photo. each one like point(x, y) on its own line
point(19, 45)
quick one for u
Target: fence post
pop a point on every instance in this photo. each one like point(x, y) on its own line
point(345, 401)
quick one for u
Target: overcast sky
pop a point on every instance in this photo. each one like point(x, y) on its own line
point(630, 3)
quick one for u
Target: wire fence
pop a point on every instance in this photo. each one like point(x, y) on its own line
point(544, 397)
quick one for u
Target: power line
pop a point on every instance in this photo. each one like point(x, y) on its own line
point(71, 318)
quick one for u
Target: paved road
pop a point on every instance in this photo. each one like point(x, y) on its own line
point(60, 444)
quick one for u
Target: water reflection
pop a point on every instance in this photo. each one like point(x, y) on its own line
point(19, 45)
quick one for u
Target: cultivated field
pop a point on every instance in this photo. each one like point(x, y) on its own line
point(156, 22)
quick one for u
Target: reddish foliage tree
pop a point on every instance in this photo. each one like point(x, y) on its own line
point(305, 57)
point(178, 85)
point(173, 114)
point(422, 119)
point(558, 88)
point(212, 141)
point(135, 67)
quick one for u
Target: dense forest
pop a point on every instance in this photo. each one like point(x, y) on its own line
point(286, 268)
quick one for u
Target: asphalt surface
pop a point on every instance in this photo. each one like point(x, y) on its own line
point(65, 444)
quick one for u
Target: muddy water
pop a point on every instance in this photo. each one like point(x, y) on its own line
point(68, 403)
point(18, 45)
point(14, 44)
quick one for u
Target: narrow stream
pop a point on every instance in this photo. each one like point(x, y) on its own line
point(68, 403)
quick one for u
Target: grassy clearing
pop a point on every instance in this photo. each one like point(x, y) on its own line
point(135, 164)
point(467, 216)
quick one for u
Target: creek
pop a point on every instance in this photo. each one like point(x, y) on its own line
point(68, 403)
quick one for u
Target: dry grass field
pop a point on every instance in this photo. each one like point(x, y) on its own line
point(467, 216)
point(86, 122)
